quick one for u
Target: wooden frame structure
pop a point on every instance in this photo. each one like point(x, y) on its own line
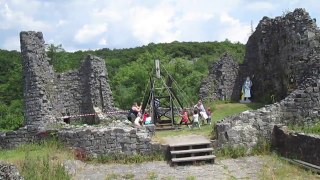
point(161, 97)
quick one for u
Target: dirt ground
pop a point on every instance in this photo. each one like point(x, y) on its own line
point(241, 168)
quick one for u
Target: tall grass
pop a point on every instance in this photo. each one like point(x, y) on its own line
point(276, 168)
point(261, 148)
point(39, 160)
point(308, 129)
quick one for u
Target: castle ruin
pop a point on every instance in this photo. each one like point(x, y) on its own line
point(49, 95)
point(283, 54)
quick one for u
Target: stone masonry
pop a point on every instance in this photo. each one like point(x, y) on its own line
point(103, 140)
point(108, 140)
point(219, 84)
point(9, 172)
point(283, 54)
point(297, 145)
point(49, 95)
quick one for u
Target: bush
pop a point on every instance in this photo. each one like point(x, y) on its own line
point(11, 116)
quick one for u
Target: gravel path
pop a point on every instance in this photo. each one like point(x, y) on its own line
point(241, 168)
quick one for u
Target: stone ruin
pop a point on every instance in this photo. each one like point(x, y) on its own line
point(280, 55)
point(219, 84)
point(283, 54)
point(49, 95)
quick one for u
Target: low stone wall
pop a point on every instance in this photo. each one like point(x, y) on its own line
point(247, 127)
point(94, 140)
point(9, 171)
point(297, 145)
point(108, 140)
point(24, 135)
point(302, 106)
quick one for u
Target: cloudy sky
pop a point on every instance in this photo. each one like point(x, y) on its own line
point(96, 24)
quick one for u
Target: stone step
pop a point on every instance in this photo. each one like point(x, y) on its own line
point(191, 151)
point(204, 143)
point(193, 158)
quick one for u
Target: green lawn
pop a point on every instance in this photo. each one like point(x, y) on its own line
point(219, 111)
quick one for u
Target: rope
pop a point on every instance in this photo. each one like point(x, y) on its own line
point(93, 114)
point(188, 101)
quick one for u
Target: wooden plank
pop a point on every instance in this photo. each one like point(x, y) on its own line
point(194, 158)
point(187, 140)
point(189, 151)
point(164, 124)
point(191, 144)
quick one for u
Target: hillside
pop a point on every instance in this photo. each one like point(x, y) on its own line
point(128, 71)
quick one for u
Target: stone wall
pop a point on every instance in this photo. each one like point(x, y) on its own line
point(284, 58)
point(9, 172)
point(280, 53)
point(93, 140)
point(297, 145)
point(302, 106)
point(49, 95)
point(24, 135)
point(107, 140)
point(219, 84)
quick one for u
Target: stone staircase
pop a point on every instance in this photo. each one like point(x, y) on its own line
point(190, 149)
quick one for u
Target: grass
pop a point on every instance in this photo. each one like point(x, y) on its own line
point(220, 111)
point(39, 161)
point(276, 168)
point(262, 147)
point(311, 129)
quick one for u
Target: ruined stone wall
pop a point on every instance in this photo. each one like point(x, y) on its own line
point(38, 78)
point(99, 141)
point(24, 135)
point(301, 146)
point(278, 54)
point(280, 49)
point(92, 140)
point(49, 95)
point(219, 84)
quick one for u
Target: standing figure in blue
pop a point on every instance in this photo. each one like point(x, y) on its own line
point(246, 89)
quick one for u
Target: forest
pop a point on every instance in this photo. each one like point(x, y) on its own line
point(128, 71)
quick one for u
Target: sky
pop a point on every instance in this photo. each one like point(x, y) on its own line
point(117, 24)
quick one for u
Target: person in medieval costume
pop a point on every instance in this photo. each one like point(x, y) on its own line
point(246, 89)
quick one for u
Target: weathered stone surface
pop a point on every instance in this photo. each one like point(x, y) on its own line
point(108, 140)
point(280, 57)
point(9, 172)
point(49, 95)
point(297, 145)
point(219, 85)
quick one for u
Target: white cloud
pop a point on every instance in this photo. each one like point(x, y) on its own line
point(153, 25)
point(61, 23)
point(12, 43)
point(233, 29)
point(128, 23)
point(88, 32)
point(16, 19)
point(102, 42)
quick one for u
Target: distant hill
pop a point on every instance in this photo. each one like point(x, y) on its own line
point(128, 70)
